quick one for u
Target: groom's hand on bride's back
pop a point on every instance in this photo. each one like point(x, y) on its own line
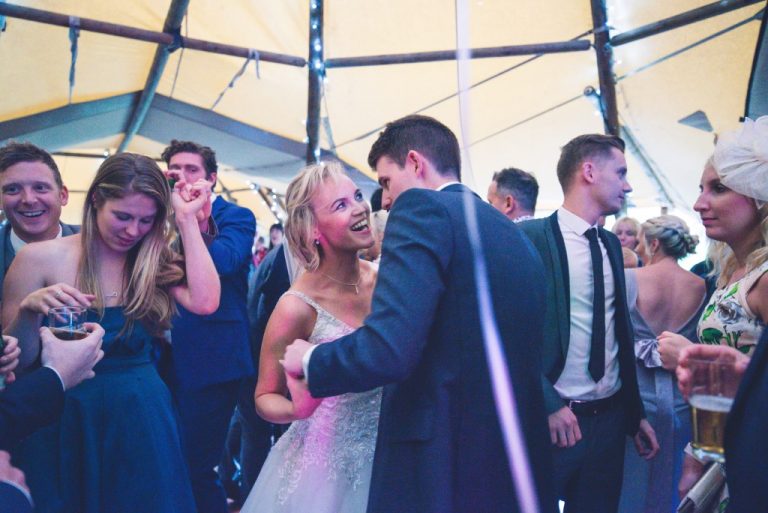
point(294, 354)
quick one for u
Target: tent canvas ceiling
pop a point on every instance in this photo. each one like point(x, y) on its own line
point(520, 118)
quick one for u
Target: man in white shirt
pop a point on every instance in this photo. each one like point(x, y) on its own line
point(590, 385)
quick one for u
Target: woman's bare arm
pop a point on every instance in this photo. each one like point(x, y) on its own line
point(291, 319)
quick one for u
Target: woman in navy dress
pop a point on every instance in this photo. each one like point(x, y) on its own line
point(116, 447)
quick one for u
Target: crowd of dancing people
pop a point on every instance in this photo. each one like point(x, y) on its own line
point(345, 367)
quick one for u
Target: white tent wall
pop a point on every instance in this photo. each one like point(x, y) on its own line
point(711, 77)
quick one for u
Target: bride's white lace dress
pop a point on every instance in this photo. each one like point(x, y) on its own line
point(322, 464)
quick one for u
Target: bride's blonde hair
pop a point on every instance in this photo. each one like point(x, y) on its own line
point(301, 220)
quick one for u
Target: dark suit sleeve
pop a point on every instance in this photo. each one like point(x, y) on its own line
point(536, 232)
point(416, 252)
point(36, 400)
point(269, 284)
point(552, 399)
point(13, 500)
point(236, 228)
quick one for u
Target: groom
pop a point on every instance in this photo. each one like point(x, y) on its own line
point(439, 446)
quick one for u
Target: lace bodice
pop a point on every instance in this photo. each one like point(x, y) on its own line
point(340, 436)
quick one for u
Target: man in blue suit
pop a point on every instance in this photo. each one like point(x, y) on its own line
point(440, 446)
point(211, 353)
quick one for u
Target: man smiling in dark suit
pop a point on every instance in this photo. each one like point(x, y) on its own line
point(440, 446)
point(589, 380)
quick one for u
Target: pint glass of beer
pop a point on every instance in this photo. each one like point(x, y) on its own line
point(713, 387)
point(66, 322)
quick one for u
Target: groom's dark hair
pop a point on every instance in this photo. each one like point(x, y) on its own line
point(426, 135)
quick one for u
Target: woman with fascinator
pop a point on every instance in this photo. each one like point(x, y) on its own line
point(733, 209)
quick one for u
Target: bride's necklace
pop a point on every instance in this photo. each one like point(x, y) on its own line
point(112, 294)
point(356, 285)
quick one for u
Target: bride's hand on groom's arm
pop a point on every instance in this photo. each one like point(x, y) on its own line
point(304, 404)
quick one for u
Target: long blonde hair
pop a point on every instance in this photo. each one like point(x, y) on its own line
point(724, 262)
point(152, 267)
point(301, 219)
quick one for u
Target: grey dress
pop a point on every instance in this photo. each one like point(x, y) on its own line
point(651, 486)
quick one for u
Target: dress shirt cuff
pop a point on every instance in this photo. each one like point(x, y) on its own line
point(305, 363)
point(58, 376)
point(19, 488)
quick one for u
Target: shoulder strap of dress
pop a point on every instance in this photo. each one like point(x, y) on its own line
point(752, 276)
point(311, 302)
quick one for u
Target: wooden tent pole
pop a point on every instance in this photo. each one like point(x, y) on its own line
point(316, 73)
point(450, 55)
point(681, 20)
point(113, 29)
point(604, 54)
point(172, 25)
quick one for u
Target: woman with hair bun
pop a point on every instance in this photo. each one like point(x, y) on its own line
point(662, 297)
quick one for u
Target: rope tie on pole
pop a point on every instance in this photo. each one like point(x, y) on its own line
point(253, 55)
point(178, 41)
point(74, 36)
point(604, 28)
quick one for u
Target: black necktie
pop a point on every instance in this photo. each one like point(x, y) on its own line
point(597, 348)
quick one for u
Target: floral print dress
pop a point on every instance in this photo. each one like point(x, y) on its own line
point(727, 319)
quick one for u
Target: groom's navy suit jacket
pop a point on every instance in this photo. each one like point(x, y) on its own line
point(439, 446)
point(546, 236)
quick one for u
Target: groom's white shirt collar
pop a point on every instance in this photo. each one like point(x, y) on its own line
point(447, 184)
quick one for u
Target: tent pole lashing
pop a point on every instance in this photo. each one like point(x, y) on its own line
point(114, 29)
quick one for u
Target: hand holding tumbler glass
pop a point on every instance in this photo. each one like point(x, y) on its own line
point(66, 322)
point(709, 377)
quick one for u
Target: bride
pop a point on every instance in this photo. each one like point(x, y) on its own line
point(323, 462)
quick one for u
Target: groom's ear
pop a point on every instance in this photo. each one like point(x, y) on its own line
point(417, 160)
